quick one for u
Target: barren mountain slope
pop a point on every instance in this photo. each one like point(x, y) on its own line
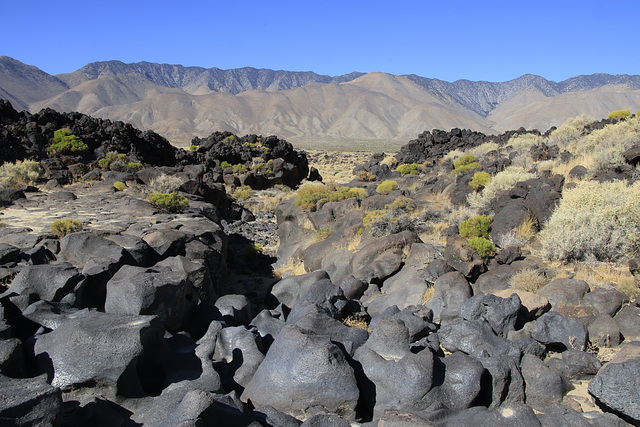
point(533, 110)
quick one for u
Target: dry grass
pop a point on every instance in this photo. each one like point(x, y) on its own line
point(322, 234)
point(433, 236)
point(587, 160)
point(428, 293)
point(529, 280)
point(527, 229)
point(293, 267)
point(604, 274)
point(356, 322)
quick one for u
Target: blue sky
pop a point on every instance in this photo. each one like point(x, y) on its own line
point(474, 40)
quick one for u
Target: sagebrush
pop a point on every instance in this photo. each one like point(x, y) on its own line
point(594, 220)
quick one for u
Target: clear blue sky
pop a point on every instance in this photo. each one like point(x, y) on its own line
point(449, 40)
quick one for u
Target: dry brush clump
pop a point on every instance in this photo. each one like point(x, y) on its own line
point(528, 279)
point(594, 221)
point(500, 182)
point(22, 172)
point(165, 184)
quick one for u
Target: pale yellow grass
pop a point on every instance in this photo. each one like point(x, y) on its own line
point(428, 294)
point(601, 274)
point(293, 267)
point(356, 322)
point(529, 280)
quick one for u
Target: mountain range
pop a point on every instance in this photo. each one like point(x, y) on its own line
point(181, 102)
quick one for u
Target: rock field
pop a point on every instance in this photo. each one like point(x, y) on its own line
point(368, 308)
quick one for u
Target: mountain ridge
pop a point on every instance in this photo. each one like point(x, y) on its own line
point(182, 102)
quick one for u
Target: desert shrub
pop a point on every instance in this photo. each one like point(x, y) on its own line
point(373, 217)
point(242, 193)
point(119, 185)
point(239, 169)
point(524, 141)
point(594, 220)
point(607, 144)
point(480, 179)
point(566, 135)
point(387, 187)
point(479, 226)
point(169, 202)
point(482, 246)
point(313, 196)
point(390, 161)
point(465, 164)
point(529, 280)
point(502, 181)
point(452, 155)
point(165, 184)
point(366, 176)
point(65, 143)
point(265, 150)
point(400, 215)
point(402, 204)
point(483, 149)
point(224, 164)
point(133, 166)
point(62, 227)
point(193, 147)
point(619, 114)
point(22, 172)
point(112, 157)
point(409, 168)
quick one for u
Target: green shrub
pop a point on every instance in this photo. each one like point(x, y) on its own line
point(119, 185)
point(249, 145)
point(169, 202)
point(66, 143)
point(480, 179)
point(62, 227)
point(619, 114)
point(115, 158)
point(387, 187)
point(225, 164)
point(482, 246)
point(193, 147)
point(594, 220)
point(133, 166)
point(479, 226)
point(312, 196)
point(465, 164)
point(25, 172)
point(265, 150)
point(410, 168)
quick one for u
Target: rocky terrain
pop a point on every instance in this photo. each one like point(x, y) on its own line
point(293, 289)
point(308, 109)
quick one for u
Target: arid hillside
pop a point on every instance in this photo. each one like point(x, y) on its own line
point(343, 112)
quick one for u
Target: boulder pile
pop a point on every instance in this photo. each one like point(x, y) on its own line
point(135, 319)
